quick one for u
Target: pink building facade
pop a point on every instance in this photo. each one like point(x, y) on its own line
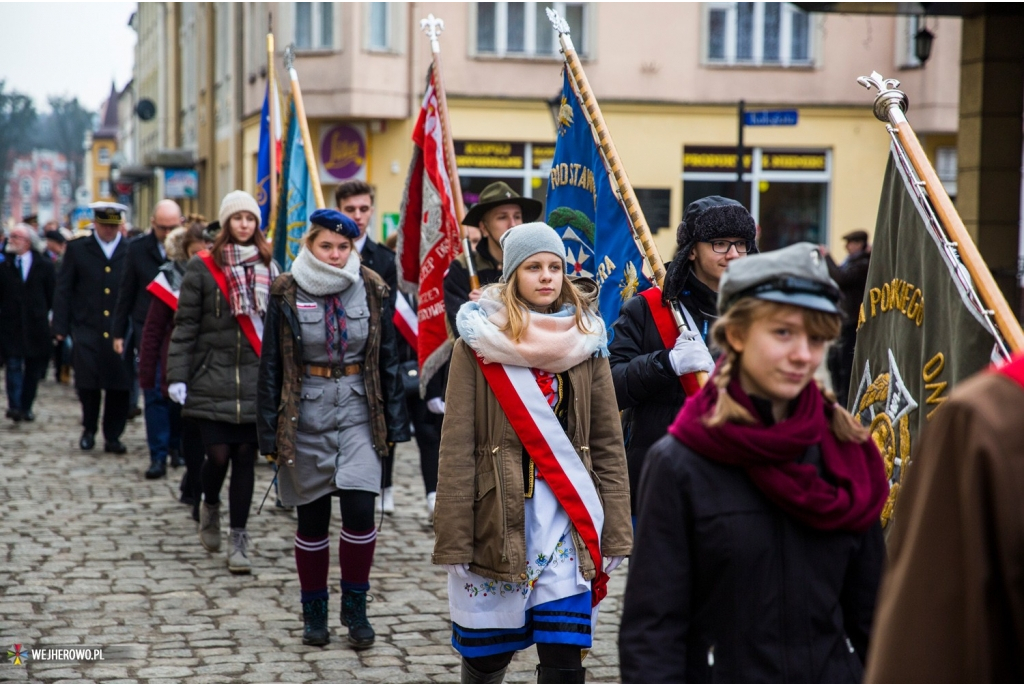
point(39, 184)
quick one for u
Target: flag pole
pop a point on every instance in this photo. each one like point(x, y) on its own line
point(433, 27)
point(624, 189)
point(272, 92)
point(307, 141)
point(890, 107)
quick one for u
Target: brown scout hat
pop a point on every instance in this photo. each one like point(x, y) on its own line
point(497, 194)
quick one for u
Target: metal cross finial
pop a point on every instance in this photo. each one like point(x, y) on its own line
point(289, 56)
point(889, 97)
point(557, 22)
point(432, 26)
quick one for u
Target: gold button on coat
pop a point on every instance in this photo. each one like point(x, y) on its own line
point(522, 576)
point(106, 335)
point(106, 291)
point(107, 269)
point(106, 312)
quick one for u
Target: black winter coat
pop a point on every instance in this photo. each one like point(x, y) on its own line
point(25, 307)
point(141, 264)
point(83, 306)
point(380, 259)
point(456, 281)
point(725, 587)
point(647, 389)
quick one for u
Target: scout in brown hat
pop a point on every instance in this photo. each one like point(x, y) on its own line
point(498, 209)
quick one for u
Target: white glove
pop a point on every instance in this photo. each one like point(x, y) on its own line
point(435, 405)
point(690, 354)
point(460, 570)
point(177, 392)
point(612, 563)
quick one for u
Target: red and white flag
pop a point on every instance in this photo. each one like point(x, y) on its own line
point(428, 236)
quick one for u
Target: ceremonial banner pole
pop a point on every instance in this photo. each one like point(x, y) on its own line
point(272, 87)
point(638, 223)
point(307, 141)
point(433, 28)
point(890, 107)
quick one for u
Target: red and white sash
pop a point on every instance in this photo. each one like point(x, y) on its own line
point(406, 321)
point(160, 287)
point(544, 439)
point(251, 324)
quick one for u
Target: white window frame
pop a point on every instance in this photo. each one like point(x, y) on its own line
point(526, 174)
point(104, 188)
point(946, 167)
point(906, 28)
point(583, 47)
point(389, 30)
point(26, 182)
point(103, 155)
point(757, 60)
point(315, 28)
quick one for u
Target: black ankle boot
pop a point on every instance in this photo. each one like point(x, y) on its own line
point(546, 674)
point(472, 675)
point(314, 618)
point(353, 616)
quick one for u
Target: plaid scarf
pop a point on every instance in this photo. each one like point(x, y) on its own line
point(337, 328)
point(248, 279)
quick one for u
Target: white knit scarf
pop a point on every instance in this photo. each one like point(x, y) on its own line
point(320, 278)
point(551, 342)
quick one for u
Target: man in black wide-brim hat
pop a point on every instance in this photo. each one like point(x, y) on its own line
point(499, 209)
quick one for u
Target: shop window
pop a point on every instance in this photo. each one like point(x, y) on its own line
point(757, 33)
point(656, 204)
point(786, 191)
point(379, 26)
point(522, 29)
point(523, 166)
point(314, 25)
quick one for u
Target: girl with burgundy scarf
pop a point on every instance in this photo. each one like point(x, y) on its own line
point(213, 361)
point(758, 545)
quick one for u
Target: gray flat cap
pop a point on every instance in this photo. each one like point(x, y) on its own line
point(795, 275)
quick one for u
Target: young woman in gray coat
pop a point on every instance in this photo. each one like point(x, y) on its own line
point(329, 401)
point(213, 361)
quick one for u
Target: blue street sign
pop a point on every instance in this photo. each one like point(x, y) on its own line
point(777, 117)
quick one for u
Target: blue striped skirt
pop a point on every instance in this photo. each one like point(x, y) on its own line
point(565, 621)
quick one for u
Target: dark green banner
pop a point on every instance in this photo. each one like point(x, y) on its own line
point(918, 333)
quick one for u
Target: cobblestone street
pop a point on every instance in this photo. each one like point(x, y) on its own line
point(93, 555)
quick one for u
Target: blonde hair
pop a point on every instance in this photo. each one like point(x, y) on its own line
point(738, 319)
point(518, 308)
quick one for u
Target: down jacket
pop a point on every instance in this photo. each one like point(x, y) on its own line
point(480, 517)
point(280, 373)
point(210, 354)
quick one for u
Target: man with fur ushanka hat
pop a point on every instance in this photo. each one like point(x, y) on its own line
point(714, 231)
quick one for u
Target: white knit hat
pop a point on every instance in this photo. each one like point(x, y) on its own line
point(238, 201)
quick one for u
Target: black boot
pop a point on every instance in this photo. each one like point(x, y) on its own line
point(353, 616)
point(314, 618)
point(547, 674)
point(472, 675)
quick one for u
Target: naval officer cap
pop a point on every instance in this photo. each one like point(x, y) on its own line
point(108, 213)
point(795, 275)
point(336, 222)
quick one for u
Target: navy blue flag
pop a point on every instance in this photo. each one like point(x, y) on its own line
point(585, 211)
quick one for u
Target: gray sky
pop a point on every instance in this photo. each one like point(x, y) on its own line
point(66, 48)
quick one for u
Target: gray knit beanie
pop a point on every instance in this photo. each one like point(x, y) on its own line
point(238, 201)
point(525, 240)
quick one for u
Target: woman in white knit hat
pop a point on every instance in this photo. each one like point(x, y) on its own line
point(532, 507)
point(213, 362)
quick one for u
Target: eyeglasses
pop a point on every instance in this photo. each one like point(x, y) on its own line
point(723, 246)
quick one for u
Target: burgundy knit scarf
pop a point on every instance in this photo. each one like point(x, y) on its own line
point(770, 454)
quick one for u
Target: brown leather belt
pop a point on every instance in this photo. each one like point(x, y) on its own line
point(333, 371)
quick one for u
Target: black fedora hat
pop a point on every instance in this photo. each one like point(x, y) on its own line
point(497, 194)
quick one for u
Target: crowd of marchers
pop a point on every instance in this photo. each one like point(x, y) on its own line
point(552, 448)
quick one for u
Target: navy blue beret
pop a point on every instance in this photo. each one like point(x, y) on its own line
point(335, 221)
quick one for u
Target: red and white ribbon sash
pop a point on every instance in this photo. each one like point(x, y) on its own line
point(406, 321)
point(160, 287)
point(251, 324)
point(544, 439)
